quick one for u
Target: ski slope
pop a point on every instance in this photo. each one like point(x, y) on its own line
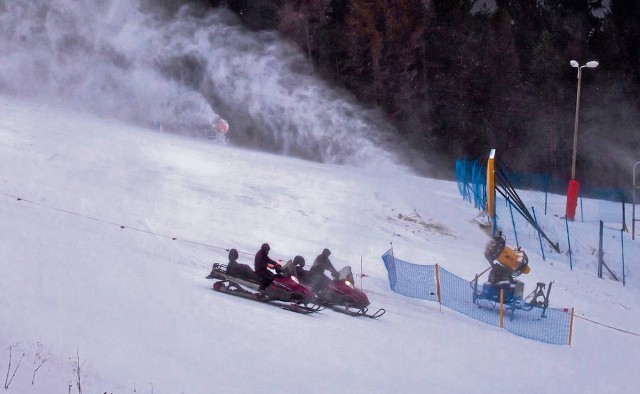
point(108, 231)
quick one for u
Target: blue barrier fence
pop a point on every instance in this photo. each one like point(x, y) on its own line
point(434, 283)
point(471, 179)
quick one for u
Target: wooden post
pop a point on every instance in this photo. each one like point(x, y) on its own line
point(571, 326)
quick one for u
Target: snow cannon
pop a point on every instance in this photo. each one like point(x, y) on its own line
point(515, 260)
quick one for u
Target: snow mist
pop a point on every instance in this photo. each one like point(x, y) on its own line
point(175, 71)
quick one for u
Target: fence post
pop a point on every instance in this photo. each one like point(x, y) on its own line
point(566, 222)
point(513, 222)
point(361, 274)
point(533, 210)
point(600, 251)
point(633, 202)
point(465, 180)
point(546, 191)
point(571, 326)
point(438, 285)
point(624, 219)
point(622, 247)
point(501, 307)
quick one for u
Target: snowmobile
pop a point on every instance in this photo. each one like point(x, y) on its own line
point(342, 296)
point(505, 265)
point(285, 290)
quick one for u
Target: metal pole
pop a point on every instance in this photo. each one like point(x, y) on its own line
point(566, 222)
point(574, 186)
point(539, 237)
point(361, 275)
point(600, 251)
point(546, 192)
point(513, 222)
point(575, 128)
point(633, 206)
point(622, 248)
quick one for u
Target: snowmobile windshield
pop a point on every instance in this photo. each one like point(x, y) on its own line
point(288, 269)
point(345, 273)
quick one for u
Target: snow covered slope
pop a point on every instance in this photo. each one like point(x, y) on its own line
point(107, 232)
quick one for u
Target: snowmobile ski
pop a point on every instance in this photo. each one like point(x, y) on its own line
point(349, 311)
point(301, 307)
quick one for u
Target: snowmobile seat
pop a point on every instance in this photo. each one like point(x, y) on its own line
point(242, 271)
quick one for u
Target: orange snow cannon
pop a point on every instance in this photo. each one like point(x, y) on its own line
point(515, 260)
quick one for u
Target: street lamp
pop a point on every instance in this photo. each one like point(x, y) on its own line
point(574, 186)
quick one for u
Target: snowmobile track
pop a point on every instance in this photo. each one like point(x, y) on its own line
point(225, 286)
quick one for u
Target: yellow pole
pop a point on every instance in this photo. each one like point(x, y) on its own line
point(491, 190)
point(491, 194)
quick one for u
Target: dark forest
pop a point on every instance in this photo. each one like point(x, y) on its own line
point(461, 77)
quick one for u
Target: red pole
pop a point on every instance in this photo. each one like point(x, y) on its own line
point(572, 199)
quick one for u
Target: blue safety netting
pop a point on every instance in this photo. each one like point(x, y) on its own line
point(419, 281)
point(411, 280)
point(471, 181)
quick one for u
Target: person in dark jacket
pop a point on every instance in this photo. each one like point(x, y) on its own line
point(295, 267)
point(232, 267)
point(298, 263)
point(238, 270)
point(317, 279)
point(261, 266)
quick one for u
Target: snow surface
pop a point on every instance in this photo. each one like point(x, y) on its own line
point(91, 272)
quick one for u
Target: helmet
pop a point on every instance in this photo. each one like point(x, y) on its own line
point(233, 255)
point(265, 247)
point(326, 252)
point(298, 260)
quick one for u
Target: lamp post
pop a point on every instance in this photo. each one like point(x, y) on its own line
point(574, 186)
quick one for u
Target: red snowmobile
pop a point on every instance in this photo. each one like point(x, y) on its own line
point(284, 288)
point(342, 296)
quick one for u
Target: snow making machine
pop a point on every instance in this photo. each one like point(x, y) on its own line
point(507, 263)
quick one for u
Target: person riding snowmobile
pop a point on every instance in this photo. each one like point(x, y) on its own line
point(238, 270)
point(231, 266)
point(261, 265)
point(295, 267)
point(317, 279)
